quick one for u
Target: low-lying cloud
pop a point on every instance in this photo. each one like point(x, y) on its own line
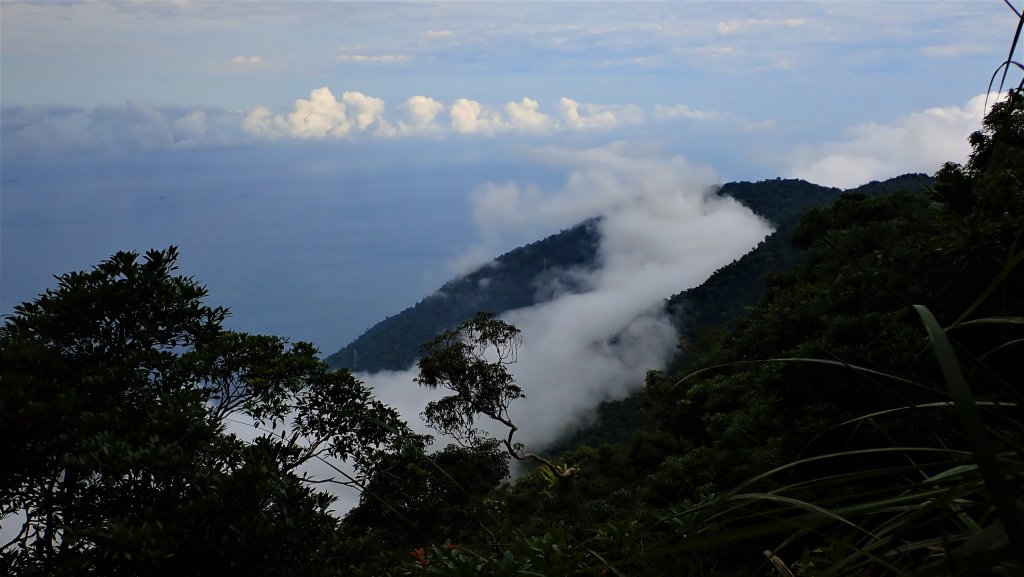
point(662, 230)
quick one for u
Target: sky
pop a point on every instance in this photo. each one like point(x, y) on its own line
point(323, 165)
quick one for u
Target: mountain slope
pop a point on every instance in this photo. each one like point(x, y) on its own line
point(740, 284)
point(727, 294)
point(513, 280)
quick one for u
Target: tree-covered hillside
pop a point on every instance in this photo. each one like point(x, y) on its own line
point(515, 279)
point(726, 294)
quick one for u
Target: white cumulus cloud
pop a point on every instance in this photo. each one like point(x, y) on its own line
point(471, 117)
point(366, 110)
point(421, 115)
point(321, 116)
point(523, 116)
point(919, 142)
point(579, 116)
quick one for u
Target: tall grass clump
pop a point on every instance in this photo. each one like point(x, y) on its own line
point(951, 506)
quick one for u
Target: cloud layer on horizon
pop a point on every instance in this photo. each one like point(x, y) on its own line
point(131, 126)
point(323, 115)
point(353, 115)
point(920, 141)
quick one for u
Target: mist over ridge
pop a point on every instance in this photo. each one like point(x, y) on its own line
point(659, 227)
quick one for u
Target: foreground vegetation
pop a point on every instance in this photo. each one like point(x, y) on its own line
point(863, 419)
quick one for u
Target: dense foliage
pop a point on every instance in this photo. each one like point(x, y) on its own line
point(726, 294)
point(118, 397)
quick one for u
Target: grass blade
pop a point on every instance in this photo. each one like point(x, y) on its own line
point(999, 278)
point(799, 504)
point(1009, 59)
point(974, 429)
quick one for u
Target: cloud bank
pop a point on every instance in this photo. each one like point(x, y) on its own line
point(320, 116)
point(662, 230)
point(323, 115)
point(133, 125)
point(918, 142)
point(136, 125)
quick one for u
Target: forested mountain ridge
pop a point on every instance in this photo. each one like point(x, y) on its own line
point(780, 199)
point(518, 278)
point(514, 280)
point(725, 294)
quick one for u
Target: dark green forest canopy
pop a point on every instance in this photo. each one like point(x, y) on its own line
point(726, 294)
point(116, 394)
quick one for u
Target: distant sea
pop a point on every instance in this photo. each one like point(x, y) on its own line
point(313, 243)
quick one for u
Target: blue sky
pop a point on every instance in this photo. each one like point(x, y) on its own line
point(325, 164)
